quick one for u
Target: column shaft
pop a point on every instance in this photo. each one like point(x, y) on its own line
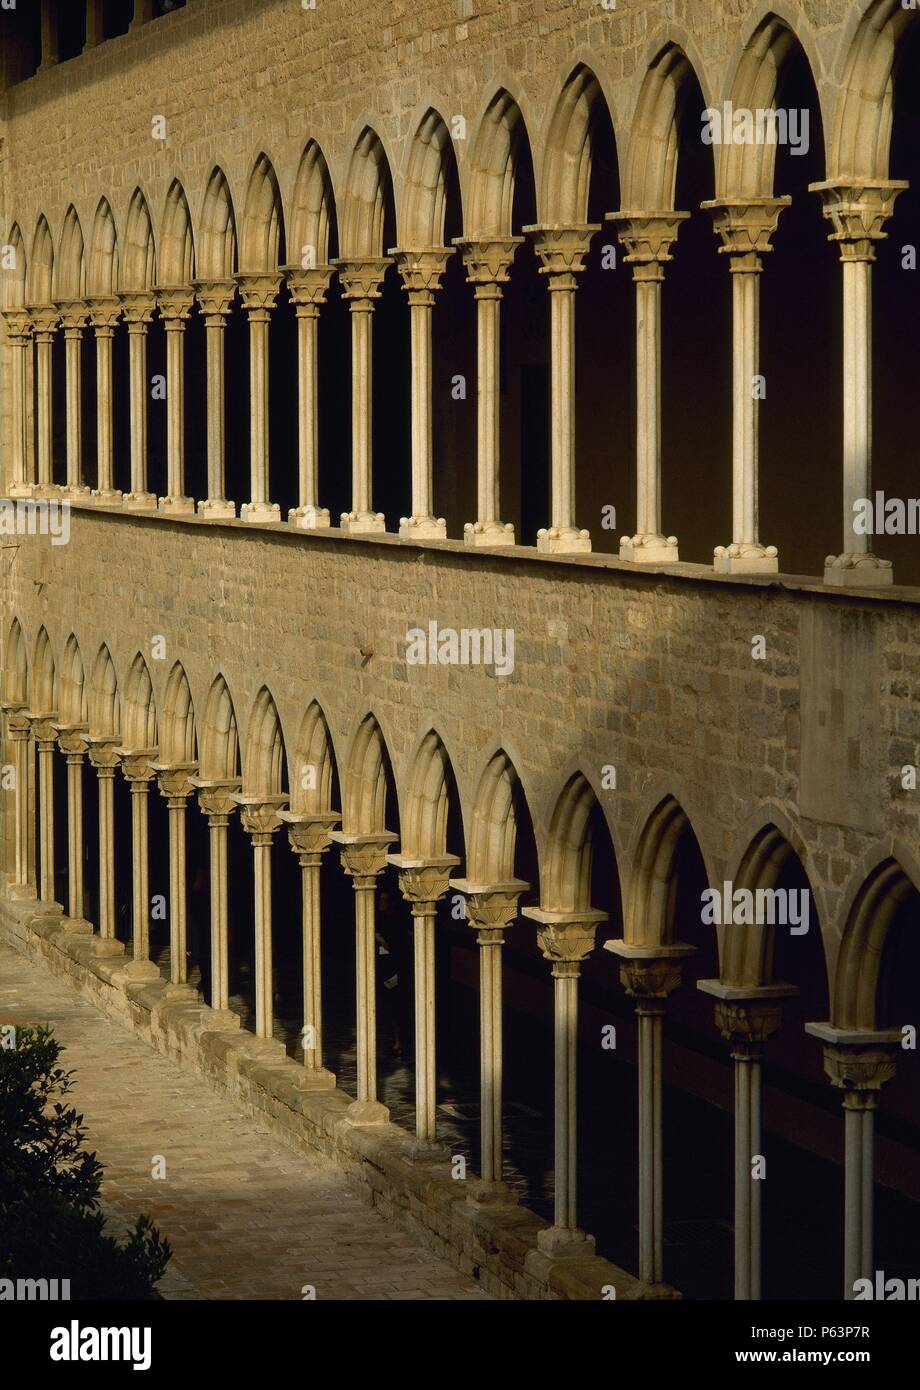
point(258, 397)
point(490, 1006)
point(175, 408)
point(75, 835)
point(648, 403)
point(140, 872)
point(488, 400)
point(362, 395)
point(857, 394)
point(73, 347)
point(220, 960)
point(104, 439)
point(566, 1128)
point(215, 355)
point(178, 926)
point(106, 852)
point(308, 413)
point(137, 368)
point(262, 850)
point(425, 1037)
point(562, 393)
point(365, 988)
point(46, 827)
point(43, 349)
point(312, 966)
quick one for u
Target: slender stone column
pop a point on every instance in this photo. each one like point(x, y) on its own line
point(260, 821)
point(45, 735)
point(44, 323)
point(310, 837)
point(19, 336)
point(858, 1062)
point(857, 212)
point(175, 304)
point(74, 744)
point(73, 321)
point(51, 46)
point(361, 281)
point(421, 272)
point(746, 226)
point(215, 298)
point(138, 307)
point(649, 974)
point(215, 798)
point(566, 939)
point(648, 238)
point(488, 263)
point(308, 291)
point(490, 910)
point(19, 731)
point(104, 314)
point(104, 759)
point(95, 28)
point(259, 294)
point(364, 858)
point(423, 882)
point(143, 13)
point(137, 764)
point(176, 785)
point(562, 251)
point(746, 1016)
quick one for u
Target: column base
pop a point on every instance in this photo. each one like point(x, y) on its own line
point(309, 518)
point(46, 491)
point(315, 1079)
point(423, 528)
point(649, 548)
point(428, 1151)
point(139, 501)
point(181, 991)
point(107, 946)
point(367, 1112)
point(142, 970)
point(77, 926)
point(75, 492)
point(563, 540)
point(488, 533)
point(261, 513)
point(21, 490)
point(743, 557)
point(177, 506)
point(220, 1019)
point(562, 1244)
point(860, 571)
point(363, 523)
point(106, 497)
point(266, 1050)
point(217, 509)
point(481, 1193)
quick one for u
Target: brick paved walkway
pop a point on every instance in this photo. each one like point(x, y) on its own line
point(246, 1217)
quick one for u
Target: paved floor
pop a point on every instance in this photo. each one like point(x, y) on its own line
point(246, 1217)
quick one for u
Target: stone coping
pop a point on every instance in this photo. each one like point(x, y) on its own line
point(493, 1243)
point(683, 570)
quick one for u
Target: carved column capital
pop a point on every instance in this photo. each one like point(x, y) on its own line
point(650, 972)
point(747, 1015)
point(488, 260)
point(104, 313)
point(647, 238)
point(215, 795)
point(18, 325)
point(562, 250)
point(73, 739)
point(858, 1061)
point(44, 729)
point(746, 227)
point(490, 907)
point(421, 270)
point(308, 287)
point(423, 881)
point(175, 780)
point(361, 278)
point(565, 938)
point(138, 309)
point(73, 314)
point(103, 753)
point(310, 833)
point(259, 813)
point(175, 303)
point(215, 298)
point(138, 765)
point(858, 210)
point(259, 292)
point(45, 321)
point(364, 856)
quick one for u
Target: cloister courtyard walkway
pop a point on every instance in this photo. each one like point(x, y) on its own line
point(246, 1217)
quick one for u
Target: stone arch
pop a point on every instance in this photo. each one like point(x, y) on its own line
point(13, 287)
point(865, 105)
point(263, 770)
point(424, 827)
point(262, 244)
point(178, 739)
point(313, 750)
point(431, 181)
point(102, 271)
point(43, 688)
point(70, 266)
point(493, 834)
point(569, 854)
point(364, 795)
point(220, 737)
point(217, 241)
point(860, 963)
point(177, 244)
point(140, 719)
point(104, 704)
point(138, 271)
point(41, 265)
point(369, 191)
point(16, 667)
point(566, 175)
point(313, 211)
point(651, 161)
point(746, 170)
point(72, 706)
point(501, 137)
point(747, 955)
point(651, 900)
